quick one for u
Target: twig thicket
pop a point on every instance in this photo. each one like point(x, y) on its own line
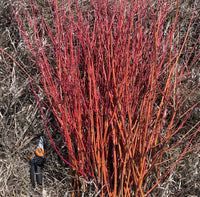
point(114, 85)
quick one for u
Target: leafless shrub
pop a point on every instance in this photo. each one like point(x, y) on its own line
point(21, 122)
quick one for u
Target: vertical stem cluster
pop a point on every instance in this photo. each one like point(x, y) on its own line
point(107, 69)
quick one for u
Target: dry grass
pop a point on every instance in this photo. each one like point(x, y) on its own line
point(21, 124)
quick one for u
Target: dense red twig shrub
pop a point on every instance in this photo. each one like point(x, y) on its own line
point(111, 73)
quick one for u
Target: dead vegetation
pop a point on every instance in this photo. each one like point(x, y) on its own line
point(21, 124)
